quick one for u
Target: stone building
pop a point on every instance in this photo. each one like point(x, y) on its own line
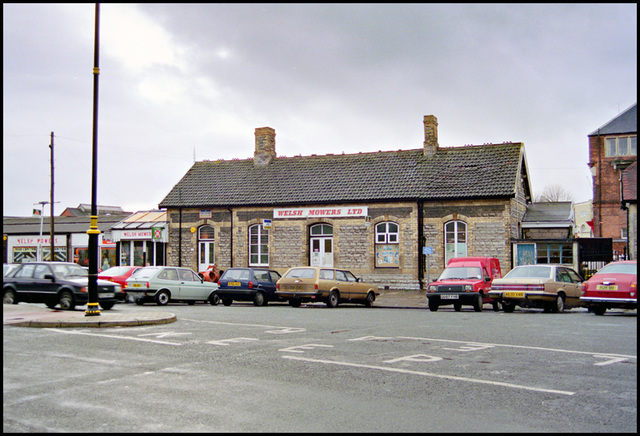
point(377, 214)
point(612, 148)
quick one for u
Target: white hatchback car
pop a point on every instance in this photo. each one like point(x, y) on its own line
point(163, 284)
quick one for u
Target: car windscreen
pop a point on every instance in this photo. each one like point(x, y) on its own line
point(462, 273)
point(146, 273)
point(619, 268)
point(68, 271)
point(236, 274)
point(530, 272)
point(301, 273)
point(116, 271)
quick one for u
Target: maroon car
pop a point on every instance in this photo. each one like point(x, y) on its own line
point(613, 286)
point(119, 275)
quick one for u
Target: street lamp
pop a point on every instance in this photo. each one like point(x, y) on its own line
point(93, 309)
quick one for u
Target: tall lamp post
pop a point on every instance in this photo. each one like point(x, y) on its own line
point(93, 309)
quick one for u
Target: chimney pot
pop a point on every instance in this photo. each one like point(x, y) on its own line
point(265, 146)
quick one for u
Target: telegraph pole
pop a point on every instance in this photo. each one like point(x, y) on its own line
point(93, 309)
point(53, 253)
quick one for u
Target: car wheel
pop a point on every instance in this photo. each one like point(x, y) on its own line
point(599, 310)
point(162, 298)
point(457, 307)
point(508, 306)
point(558, 305)
point(258, 299)
point(138, 301)
point(433, 305)
point(371, 297)
point(477, 305)
point(9, 297)
point(214, 299)
point(496, 306)
point(106, 306)
point(332, 300)
point(227, 301)
point(66, 301)
point(295, 302)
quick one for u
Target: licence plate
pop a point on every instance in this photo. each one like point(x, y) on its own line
point(107, 295)
point(233, 284)
point(448, 297)
point(136, 285)
point(514, 294)
point(607, 287)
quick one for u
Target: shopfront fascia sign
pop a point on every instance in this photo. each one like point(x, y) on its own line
point(321, 212)
point(29, 241)
point(157, 234)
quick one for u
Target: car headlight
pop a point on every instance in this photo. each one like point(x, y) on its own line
point(468, 288)
point(433, 288)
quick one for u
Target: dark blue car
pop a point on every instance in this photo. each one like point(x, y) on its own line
point(248, 284)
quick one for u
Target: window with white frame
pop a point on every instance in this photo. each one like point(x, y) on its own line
point(387, 245)
point(455, 240)
point(258, 246)
point(621, 146)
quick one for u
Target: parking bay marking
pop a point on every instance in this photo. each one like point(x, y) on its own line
point(613, 358)
point(429, 374)
point(275, 329)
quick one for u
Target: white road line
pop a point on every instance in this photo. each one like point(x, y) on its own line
point(429, 374)
point(590, 353)
point(127, 338)
point(280, 328)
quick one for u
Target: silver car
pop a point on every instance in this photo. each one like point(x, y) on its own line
point(162, 284)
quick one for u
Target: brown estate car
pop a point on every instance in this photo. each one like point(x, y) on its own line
point(327, 285)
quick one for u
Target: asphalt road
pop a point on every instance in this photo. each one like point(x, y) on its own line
point(312, 369)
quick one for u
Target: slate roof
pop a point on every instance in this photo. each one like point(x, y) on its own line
point(626, 122)
point(485, 171)
point(549, 214)
point(61, 224)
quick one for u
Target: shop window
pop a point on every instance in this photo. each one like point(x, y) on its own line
point(554, 253)
point(387, 246)
point(258, 246)
point(455, 240)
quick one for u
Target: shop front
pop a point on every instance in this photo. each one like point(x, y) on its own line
point(141, 239)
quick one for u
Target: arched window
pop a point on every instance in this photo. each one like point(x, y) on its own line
point(455, 240)
point(258, 246)
point(387, 245)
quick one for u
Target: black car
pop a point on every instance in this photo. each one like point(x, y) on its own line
point(248, 284)
point(54, 283)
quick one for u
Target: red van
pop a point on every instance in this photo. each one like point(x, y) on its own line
point(465, 280)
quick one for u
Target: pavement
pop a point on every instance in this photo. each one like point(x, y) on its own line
point(39, 315)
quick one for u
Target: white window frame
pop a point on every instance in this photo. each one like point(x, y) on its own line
point(460, 249)
point(256, 249)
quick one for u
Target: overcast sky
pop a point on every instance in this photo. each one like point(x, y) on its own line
point(180, 82)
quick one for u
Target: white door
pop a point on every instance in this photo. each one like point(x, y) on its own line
point(322, 251)
point(206, 255)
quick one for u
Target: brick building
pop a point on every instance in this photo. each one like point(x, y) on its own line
point(377, 214)
point(612, 149)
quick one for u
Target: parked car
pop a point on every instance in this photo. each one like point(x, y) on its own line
point(465, 280)
point(163, 284)
point(119, 275)
point(552, 287)
point(57, 283)
point(614, 286)
point(8, 267)
point(248, 284)
point(329, 285)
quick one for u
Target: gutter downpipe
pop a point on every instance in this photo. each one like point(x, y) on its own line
point(420, 244)
point(180, 238)
point(231, 238)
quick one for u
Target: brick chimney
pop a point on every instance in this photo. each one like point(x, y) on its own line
point(265, 146)
point(430, 135)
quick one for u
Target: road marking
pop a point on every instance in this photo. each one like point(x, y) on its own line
point(610, 361)
point(415, 358)
point(429, 374)
point(278, 329)
point(127, 338)
point(229, 341)
point(590, 353)
point(299, 348)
